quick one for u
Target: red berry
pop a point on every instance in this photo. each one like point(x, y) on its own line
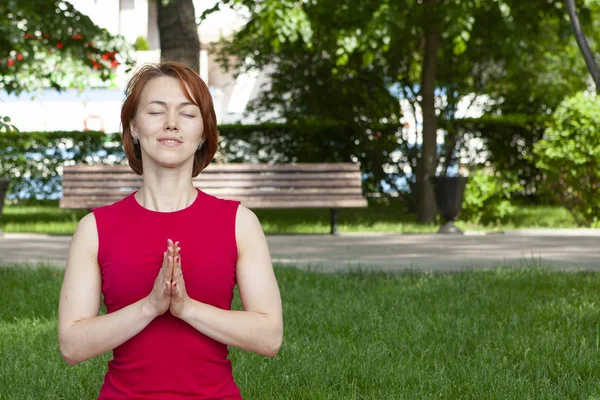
point(11, 62)
point(114, 64)
point(19, 57)
point(59, 45)
point(105, 56)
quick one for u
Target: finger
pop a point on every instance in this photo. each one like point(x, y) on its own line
point(163, 267)
point(176, 250)
point(170, 269)
point(171, 247)
point(177, 278)
point(180, 272)
point(166, 262)
point(177, 272)
point(166, 278)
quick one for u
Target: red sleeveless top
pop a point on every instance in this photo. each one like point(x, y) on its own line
point(168, 359)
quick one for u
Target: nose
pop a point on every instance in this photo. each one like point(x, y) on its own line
point(171, 124)
point(171, 127)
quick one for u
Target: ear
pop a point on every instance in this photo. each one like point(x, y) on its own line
point(132, 127)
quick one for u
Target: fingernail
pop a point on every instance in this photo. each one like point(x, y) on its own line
point(175, 284)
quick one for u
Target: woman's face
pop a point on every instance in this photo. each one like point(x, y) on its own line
point(168, 125)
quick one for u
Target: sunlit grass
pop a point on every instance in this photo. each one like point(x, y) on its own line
point(48, 218)
point(497, 334)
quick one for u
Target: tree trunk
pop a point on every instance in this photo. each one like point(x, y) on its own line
point(178, 33)
point(428, 161)
point(583, 44)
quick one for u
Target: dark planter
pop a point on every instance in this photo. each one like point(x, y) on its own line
point(449, 191)
point(3, 189)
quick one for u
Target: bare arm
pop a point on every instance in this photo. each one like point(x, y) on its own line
point(82, 334)
point(259, 328)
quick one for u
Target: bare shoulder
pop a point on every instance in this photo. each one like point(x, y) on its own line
point(246, 216)
point(85, 237)
point(247, 227)
point(87, 223)
point(87, 227)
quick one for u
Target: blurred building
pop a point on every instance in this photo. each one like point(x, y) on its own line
point(99, 108)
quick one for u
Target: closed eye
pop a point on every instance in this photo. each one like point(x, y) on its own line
point(189, 115)
point(155, 113)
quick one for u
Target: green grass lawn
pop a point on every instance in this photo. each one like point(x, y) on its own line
point(46, 217)
point(499, 334)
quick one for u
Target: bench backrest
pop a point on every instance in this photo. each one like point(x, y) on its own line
point(309, 185)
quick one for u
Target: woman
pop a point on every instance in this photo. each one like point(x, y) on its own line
point(167, 257)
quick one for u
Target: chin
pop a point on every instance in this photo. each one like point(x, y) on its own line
point(171, 162)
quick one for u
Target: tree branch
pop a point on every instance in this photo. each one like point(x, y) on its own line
point(583, 43)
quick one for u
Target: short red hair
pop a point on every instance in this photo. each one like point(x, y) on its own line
point(198, 94)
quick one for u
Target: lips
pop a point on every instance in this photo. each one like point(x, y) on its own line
point(173, 138)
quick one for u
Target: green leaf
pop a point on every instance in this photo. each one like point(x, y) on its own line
point(459, 46)
point(342, 60)
point(368, 57)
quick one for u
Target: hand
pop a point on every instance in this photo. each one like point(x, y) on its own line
point(159, 298)
point(179, 297)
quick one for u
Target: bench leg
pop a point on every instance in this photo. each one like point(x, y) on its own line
point(334, 230)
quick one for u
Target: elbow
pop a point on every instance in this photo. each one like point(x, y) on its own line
point(273, 344)
point(70, 361)
point(272, 351)
point(68, 357)
point(67, 352)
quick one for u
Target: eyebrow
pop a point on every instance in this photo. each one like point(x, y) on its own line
point(162, 103)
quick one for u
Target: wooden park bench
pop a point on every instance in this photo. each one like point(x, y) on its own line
point(310, 185)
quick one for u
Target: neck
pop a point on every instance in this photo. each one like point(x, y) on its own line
point(166, 195)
